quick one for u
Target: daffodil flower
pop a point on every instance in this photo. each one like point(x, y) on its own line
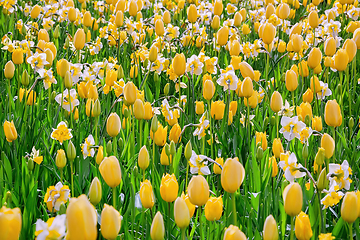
point(57, 195)
point(194, 66)
point(325, 91)
point(201, 127)
point(61, 133)
point(243, 119)
point(291, 127)
point(35, 156)
point(37, 61)
point(53, 229)
point(332, 197)
point(305, 135)
point(339, 175)
point(87, 147)
point(65, 99)
point(228, 80)
point(287, 110)
point(48, 77)
point(198, 164)
point(290, 167)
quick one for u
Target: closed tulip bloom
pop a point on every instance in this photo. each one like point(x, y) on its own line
point(247, 71)
point(314, 58)
point(181, 213)
point(160, 135)
point(100, 155)
point(17, 56)
point(215, 23)
point(95, 191)
point(79, 39)
point(217, 110)
point(199, 107)
point(157, 231)
point(35, 11)
point(198, 190)
point(130, 93)
point(315, 84)
point(208, 89)
point(159, 27)
point(133, 8)
point(281, 47)
point(351, 48)
point(270, 231)
point(232, 175)
point(277, 147)
point(110, 171)
point(10, 131)
point(214, 208)
point(218, 8)
point(234, 233)
point(139, 109)
point(316, 123)
point(190, 206)
point(119, 19)
point(192, 13)
point(222, 36)
point(356, 37)
point(313, 19)
point(174, 134)
point(216, 168)
point(293, 199)
point(303, 69)
point(143, 158)
point(247, 87)
point(237, 19)
point(349, 207)
point(341, 60)
point(332, 114)
point(330, 46)
point(60, 158)
point(358, 201)
point(270, 10)
point(328, 143)
point(276, 102)
point(291, 80)
point(113, 125)
point(303, 110)
point(179, 64)
point(148, 111)
point(9, 69)
point(235, 48)
point(268, 34)
point(43, 35)
point(62, 67)
point(81, 219)
point(169, 188)
point(10, 223)
point(72, 14)
point(303, 229)
point(146, 194)
point(284, 10)
point(110, 222)
point(253, 100)
point(87, 21)
point(308, 96)
point(274, 166)
point(153, 53)
point(261, 139)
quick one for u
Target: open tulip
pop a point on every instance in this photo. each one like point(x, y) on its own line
point(328, 143)
point(110, 171)
point(214, 208)
point(270, 231)
point(81, 219)
point(181, 213)
point(10, 131)
point(10, 223)
point(232, 175)
point(304, 110)
point(303, 229)
point(146, 194)
point(169, 188)
point(293, 199)
point(174, 134)
point(198, 190)
point(332, 114)
point(110, 222)
point(113, 125)
point(157, 231)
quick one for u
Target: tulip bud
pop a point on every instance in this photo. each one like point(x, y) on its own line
point(100, 155)
point(181, 213)
point(320, 156)
point(322, 182)
point(303, 227)
point(293, 199)
point(113, 125)
point(143, 158)
point(166, 89)
point(157, 231)
point(60, 159)
point(198, 190)
point(154, 124)
point(270, 231)
point(276, 102)
point(71, 151)
point(95, 191)
point(349, 207)
point(167, 149)
point(10, 223)
point(172, 148)
point(30, 165)
point(110, 171)
point(188, 150)
point(272, 120)
point(9, 69)
point(25, 78)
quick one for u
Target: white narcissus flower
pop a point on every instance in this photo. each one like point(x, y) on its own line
point(53, 229)
point(339, 175)
point(291, 127)
point(65, 99)
point(325, 91)
point(228, 80)
point(87, 147)
point(37, 61)
point(198, 164)
point(201, 127)
point(290, 167)
point(194, 65)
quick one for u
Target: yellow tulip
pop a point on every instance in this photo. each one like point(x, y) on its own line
point(247, 87)
point(270, 231)
point(146, 194)
point(332, 114)
point(303, 69)
point(253, 100)
point(153, 53)
point(214, 208)
point(232, 175)
point(222, 36)
point(315, 84)
point(356, 37)
point(119, 19)
point(233, 232)
point(179, 64)
point(215, 23)
point(351, 48)
point(276, 102)
point(9, 69)
point(274, 166)
point(148, 111)
point(208, 89)
point(113, 125)
point(43, 35)
point(143, 158)
point(247, 71)
point(245, 29)
point(139, 109)
point(218, 8)
point(199, 107)
point(62, 67)
point(95, 191)
point(308, 96)
point(17, 56)
point(328, 143)
point(313, 19)
point(10, 131)
point(190, 206)
point(110, 171)
point(198, 190)
point(291, 80)
point(281, 47)
point(60, 158)
point(217, 110)
point(159, 27)
point(35, 11)
point(130, 91)
point(234, 48)
point(157, 231)
point(303, 227)
point(10, 223)
point(159, 136)
point(133, 8)
point(277, 147)
point(100, 155)
point(303, 110)
point(268, 33)
point(216, 168)
point(261, 139)
point(81, 219)
point(330, 46)
point(349, 207)
point(341, 60)
point(79, 39)
point(181, 213)
point(316, 123)
point(110, 222)
point(293, 199)
point(72, 14)
point(237, 19)
point(192, 13)
point(174, 134)
point(169, 188)
point(270, 10)
point(314, 58)
point(87, 21)
point(284, 10)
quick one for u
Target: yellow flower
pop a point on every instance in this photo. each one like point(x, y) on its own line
point(56, 195)
point(169, 188)
point(61, 133)
point(214, 208)
point(326, 236)
point(10, 223)
point(303, 227)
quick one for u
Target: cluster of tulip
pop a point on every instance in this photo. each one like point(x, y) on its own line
point(260, 99)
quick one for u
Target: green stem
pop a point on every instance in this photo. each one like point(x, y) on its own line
point(350, 231)
point(277, 124)
point(183, 233)
point(168, 222)
point(141, 130)
point(72, 178)
point(211, 134)
point(292, 228)
point(114, 197)
point(201, 225)
point(248, 118)
point(234, 209)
